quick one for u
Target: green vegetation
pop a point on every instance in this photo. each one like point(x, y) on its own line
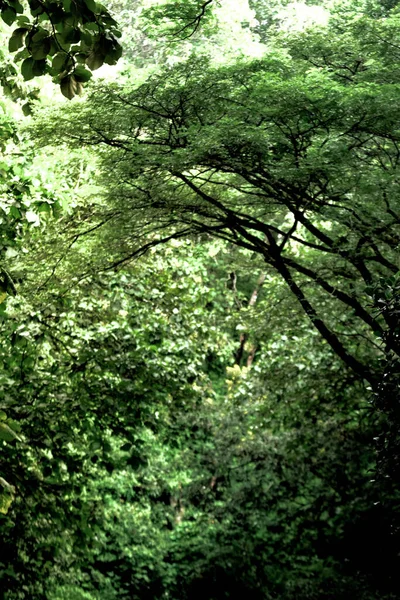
point(67, 39)
point(199, 300)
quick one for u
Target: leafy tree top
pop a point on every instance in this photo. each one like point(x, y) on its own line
point(293, 157)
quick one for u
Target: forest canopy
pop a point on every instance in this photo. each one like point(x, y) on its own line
point(199, 368)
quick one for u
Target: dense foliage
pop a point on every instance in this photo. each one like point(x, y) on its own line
point(269, 155)
point(62, 38)
point(199, 302)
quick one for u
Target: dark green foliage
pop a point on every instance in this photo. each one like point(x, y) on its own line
point(173, 428)
point(78, 32)
point(135, 479)
point(386, 296)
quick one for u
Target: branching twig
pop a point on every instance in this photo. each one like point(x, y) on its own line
point(195, 22)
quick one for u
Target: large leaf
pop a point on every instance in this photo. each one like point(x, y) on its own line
point(70, 87)
point(92, 6)
point(95, 60)
point(81, 74)
point(40, 49)
point(6, 433)
point(17, 39)
point(39, 67)
point(59, 60)
point(8, 15)
point(27, 69)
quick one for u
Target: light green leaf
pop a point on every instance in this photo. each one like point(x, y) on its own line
point(5, 503)
point(6, 433)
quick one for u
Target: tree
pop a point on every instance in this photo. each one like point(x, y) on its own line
point(164, 435)
point(293, 157)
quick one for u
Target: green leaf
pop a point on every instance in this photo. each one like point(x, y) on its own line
point(8, 15)
point(92, 6)
point(23, 20)
point(41, 34)
point(14, 44)
point(87, 39)
point(7, 434)
point(21, 54)
point(17, 39)
point(36, 7)
point(14, 212)
point(92, 27)
point(81, 57)
point(71, 35)
point(40, 50)
point(14, 425)
point(27, 69)
point(70, 87)
point(113, 55)
point(44, 207)
point(5, 503)
point(39, 67)
point(112, 23)
point(27, 109)
point(81, 74)
point(17, 6)
point(95, 60)
point(59, 61)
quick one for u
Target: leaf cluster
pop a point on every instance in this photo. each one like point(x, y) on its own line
point(67, 39)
